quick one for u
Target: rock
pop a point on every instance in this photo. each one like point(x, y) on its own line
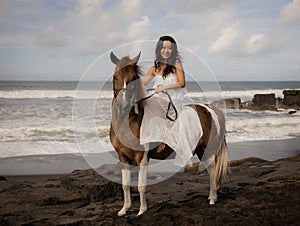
point(292, 112)
point(264, 99)
point(2, 178)
point(291, 98)
point(261, 102)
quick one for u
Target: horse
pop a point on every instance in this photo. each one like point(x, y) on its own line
point(128, 102)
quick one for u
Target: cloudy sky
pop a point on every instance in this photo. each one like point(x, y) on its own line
point(238, 40)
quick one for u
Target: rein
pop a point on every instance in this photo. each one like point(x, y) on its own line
point(170, 105)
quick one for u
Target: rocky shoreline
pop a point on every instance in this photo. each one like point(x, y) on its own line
point(257, 192)
point(262, 102)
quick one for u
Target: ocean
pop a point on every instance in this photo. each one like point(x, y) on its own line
point(51, 118)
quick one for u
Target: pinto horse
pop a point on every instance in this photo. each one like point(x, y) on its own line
point(127, 114)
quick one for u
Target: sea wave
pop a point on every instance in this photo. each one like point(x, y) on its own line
point(55, 94)
point(268, 125)
point(105, 94)
point(245, 95)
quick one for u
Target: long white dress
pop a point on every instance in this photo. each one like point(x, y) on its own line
point(183, 134)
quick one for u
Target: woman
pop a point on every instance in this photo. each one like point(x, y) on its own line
point(182, 134)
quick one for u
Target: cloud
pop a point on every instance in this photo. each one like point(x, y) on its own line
point(228, 37)
point(196, 6)
point(220, 17)
point(256, 43)
point(264, 44)
point(51, 38)
point(290, 13)
point(138, 28)
point(100, 25)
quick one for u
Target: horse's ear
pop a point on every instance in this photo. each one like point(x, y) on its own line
point(114, 58)
point(136, 59)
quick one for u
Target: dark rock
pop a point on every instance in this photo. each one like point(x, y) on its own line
point(2, 178)
point(264, 99)
point(292, 112)
point(291, 98)
point(261, 102)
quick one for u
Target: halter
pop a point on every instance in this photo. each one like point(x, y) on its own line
point(116, 92)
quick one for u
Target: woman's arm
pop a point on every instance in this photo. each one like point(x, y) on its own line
point(180, 79)
point(149, 76)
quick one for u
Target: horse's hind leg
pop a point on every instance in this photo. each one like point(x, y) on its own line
point(143, 167)
point(126, 189)
point(212, 184)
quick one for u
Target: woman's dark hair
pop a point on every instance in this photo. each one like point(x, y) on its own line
point(170, 68)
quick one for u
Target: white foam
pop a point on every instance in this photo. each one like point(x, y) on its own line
point(35, 94)
point(269, 126)
point(245, 95)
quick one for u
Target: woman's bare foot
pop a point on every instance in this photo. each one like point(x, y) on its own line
point(161, 147)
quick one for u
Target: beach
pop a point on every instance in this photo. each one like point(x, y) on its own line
point(55, 150)
point(257, 192)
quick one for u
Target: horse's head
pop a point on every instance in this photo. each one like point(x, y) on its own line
point(125, 81)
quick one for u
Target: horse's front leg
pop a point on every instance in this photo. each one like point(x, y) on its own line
point(126, 189)
point(142, 183)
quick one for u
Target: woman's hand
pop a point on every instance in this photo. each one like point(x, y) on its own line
point(159, 89)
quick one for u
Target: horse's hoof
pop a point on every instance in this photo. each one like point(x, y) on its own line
point(122, 212)
point(141, 212)
point(212, 201)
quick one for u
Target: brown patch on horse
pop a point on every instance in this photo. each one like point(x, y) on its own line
point(153, 154)
point(206, 123)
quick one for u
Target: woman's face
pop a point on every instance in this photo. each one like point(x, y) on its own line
point(166, 50)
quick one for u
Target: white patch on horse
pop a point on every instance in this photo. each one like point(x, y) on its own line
point(123, 95)
point(204, 164)
point(126, 189)
point(126, 176)
point(143, 168)
point(214, 117)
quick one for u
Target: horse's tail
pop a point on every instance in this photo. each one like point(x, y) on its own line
point(221, 164)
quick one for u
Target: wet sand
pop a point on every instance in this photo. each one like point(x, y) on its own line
point(66, 163)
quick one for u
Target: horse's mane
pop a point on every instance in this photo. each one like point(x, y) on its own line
point(126, 65)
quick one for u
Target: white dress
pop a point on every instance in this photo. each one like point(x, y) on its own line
point(183, 134)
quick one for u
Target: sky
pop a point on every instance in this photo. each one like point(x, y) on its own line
point(244, 40)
